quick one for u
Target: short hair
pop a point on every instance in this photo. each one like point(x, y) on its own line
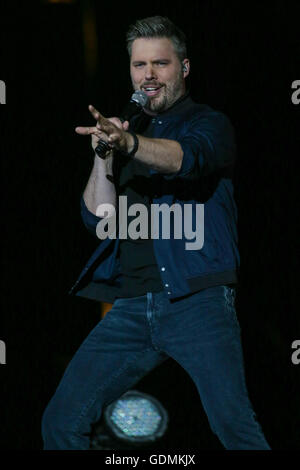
point(157, 27)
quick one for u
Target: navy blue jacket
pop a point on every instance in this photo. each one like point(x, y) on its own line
point(205, 177)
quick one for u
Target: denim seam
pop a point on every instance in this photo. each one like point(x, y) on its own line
point(149, 315)
point(229, 294)
point(87, 406)
point(230, 298)
point(151, 307)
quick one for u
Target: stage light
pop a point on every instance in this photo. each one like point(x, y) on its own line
point(136, 419)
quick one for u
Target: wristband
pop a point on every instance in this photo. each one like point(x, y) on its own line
point(135, 145)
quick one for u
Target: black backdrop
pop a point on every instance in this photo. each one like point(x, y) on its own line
point(243, 62)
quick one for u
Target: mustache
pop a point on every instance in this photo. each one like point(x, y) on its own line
point(152, 84)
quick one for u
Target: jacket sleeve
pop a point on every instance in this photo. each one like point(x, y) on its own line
point(89, 219)
point(208, 144)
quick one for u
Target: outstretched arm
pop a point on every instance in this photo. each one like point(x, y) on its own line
point(163, 155)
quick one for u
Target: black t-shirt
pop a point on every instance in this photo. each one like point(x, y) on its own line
point(137, 259)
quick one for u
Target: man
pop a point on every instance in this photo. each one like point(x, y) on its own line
point(170, 299)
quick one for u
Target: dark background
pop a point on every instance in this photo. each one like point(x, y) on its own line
point(244, 58)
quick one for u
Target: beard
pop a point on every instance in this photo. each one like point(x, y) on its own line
point(169, 93)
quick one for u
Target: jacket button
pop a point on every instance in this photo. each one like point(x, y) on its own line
point(163, 268)
point(166, 285)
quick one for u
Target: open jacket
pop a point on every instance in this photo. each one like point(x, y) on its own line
point(205, 177)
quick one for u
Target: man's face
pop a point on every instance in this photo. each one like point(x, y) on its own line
point(156, 69)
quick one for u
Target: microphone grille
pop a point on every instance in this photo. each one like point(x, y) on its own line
point(140, 97)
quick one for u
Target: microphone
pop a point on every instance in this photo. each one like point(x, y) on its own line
point(138, 100)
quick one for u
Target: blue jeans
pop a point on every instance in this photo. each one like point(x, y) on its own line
point(201, 332)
